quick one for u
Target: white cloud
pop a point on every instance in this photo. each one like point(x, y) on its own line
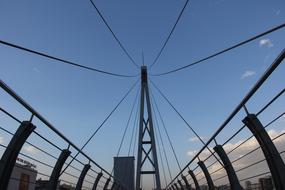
point(31, 149)
point(278, 13)
point(247, 74)
point(1, 140)
point(266, 43)
point(196, 139)
point(192, 153)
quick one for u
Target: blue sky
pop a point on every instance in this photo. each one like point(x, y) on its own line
point(77, 101)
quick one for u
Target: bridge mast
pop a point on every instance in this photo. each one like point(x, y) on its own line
point(146, 146)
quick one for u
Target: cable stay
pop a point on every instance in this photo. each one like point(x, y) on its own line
point(169, 35)
point(160, 156)
point(136, 133)
point(162, 143)
point(222, 51)
point(127, 126)
point(63, 60)
point(133, 130)
point(114, 35)
point(125, 131)
point(102, 124)
point(189, 126)
point(277, 62)
point(165, 130)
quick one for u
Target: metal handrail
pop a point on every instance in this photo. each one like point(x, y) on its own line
point(6, 88)
point(257, 85)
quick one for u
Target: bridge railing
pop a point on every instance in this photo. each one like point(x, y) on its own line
point(222, 165)
point(29, 142)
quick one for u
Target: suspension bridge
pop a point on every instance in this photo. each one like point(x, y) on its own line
point(62, 164)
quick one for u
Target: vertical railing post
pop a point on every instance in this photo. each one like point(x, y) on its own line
point(180, 184)
point(272, 156)
point(176, 186)
point(12, 151)
point(82, 176)
point(234, 182)
point(53, 180)
point(99, 175)
point(188, 186)
point(197, 187)
point(207, 175)
point(107, 184)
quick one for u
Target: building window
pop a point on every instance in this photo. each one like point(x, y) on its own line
point(24, 182)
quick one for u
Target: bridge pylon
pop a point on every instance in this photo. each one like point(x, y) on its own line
point(146, 144)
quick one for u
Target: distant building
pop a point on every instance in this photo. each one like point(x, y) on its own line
point(23, 176)
point(248, 185)
point(43, 185)
point(124, 171)
point(266, 183)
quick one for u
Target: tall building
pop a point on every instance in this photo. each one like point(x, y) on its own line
point(124, 171)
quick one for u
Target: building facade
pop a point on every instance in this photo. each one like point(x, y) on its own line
point(23, 177)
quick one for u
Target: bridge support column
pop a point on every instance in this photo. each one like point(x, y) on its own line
point(146, 141)
point(273, 158)
point(188, 186)
point(82, 176)
point(234, 182)
point(99, 175)
point(107, 184)
point(180, 184)
point(12, 151)
point(207, 175)
point(53, 180)
point(197, 187)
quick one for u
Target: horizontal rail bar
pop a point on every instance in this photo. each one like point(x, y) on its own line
point(48, 124)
